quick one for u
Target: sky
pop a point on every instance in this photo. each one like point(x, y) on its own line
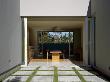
point(59, 35)
point(56, 33)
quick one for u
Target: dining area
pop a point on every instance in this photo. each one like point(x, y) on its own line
point(48, 56)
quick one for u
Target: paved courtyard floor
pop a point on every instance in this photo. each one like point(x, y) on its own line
point(64, 71)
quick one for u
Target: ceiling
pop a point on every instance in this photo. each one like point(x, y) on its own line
point(55, 23)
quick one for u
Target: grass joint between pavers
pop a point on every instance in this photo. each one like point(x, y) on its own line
point(32, 75)
point(79, 75)
point(55, 74)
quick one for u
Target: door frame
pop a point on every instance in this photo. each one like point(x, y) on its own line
point(25, 42)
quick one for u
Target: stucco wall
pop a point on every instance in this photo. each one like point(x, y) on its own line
point(102, 34)
point(93, 7)
point(10, 34)
point(54, 7)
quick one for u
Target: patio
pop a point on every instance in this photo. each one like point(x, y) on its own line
point(63, 71)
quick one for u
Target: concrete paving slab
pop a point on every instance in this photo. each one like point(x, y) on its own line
point(45, 73)
point(46, 68)
point(23, 73)
point(85, 73)
point(68, 79)
point(79, 68)
point(16, 79)
point(64, 68)
point(94, 79)
point(42, 79)
point(28, 68)
point(66, 73)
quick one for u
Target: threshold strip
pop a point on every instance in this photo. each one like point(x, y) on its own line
point(55, 74)
point(79, 75)
point(32, 75)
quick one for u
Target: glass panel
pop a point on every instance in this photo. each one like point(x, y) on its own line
point(55, 37)
point(56, 41)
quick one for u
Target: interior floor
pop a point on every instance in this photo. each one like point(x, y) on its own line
point(44, 60)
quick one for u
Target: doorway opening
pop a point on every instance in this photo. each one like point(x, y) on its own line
point(54, 41)
point(48, 34)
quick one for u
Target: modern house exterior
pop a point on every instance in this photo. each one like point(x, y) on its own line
point(17, 15)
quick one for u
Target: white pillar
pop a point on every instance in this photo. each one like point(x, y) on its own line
point(25, 41)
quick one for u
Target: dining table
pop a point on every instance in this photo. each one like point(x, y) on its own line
point(55, 55)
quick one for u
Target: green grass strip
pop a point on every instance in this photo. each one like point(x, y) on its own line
point(65, 70)
point(20, 75)
point(79, 75)
point(32, 75)
point(45, 70)
point(43, 75)
point(26, 70)
point(67, 75)
point(55, 74)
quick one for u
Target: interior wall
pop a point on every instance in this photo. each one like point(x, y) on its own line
point(77, 38)
point(32, 37)
point(78, 46)
point(10, 34)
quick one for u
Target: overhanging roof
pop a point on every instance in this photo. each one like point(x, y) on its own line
point(54, 7)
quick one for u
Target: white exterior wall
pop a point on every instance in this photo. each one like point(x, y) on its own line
point(101, 10)
point(10, 34)
point(103, 35)
point(54, 7)
point(93, 7)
